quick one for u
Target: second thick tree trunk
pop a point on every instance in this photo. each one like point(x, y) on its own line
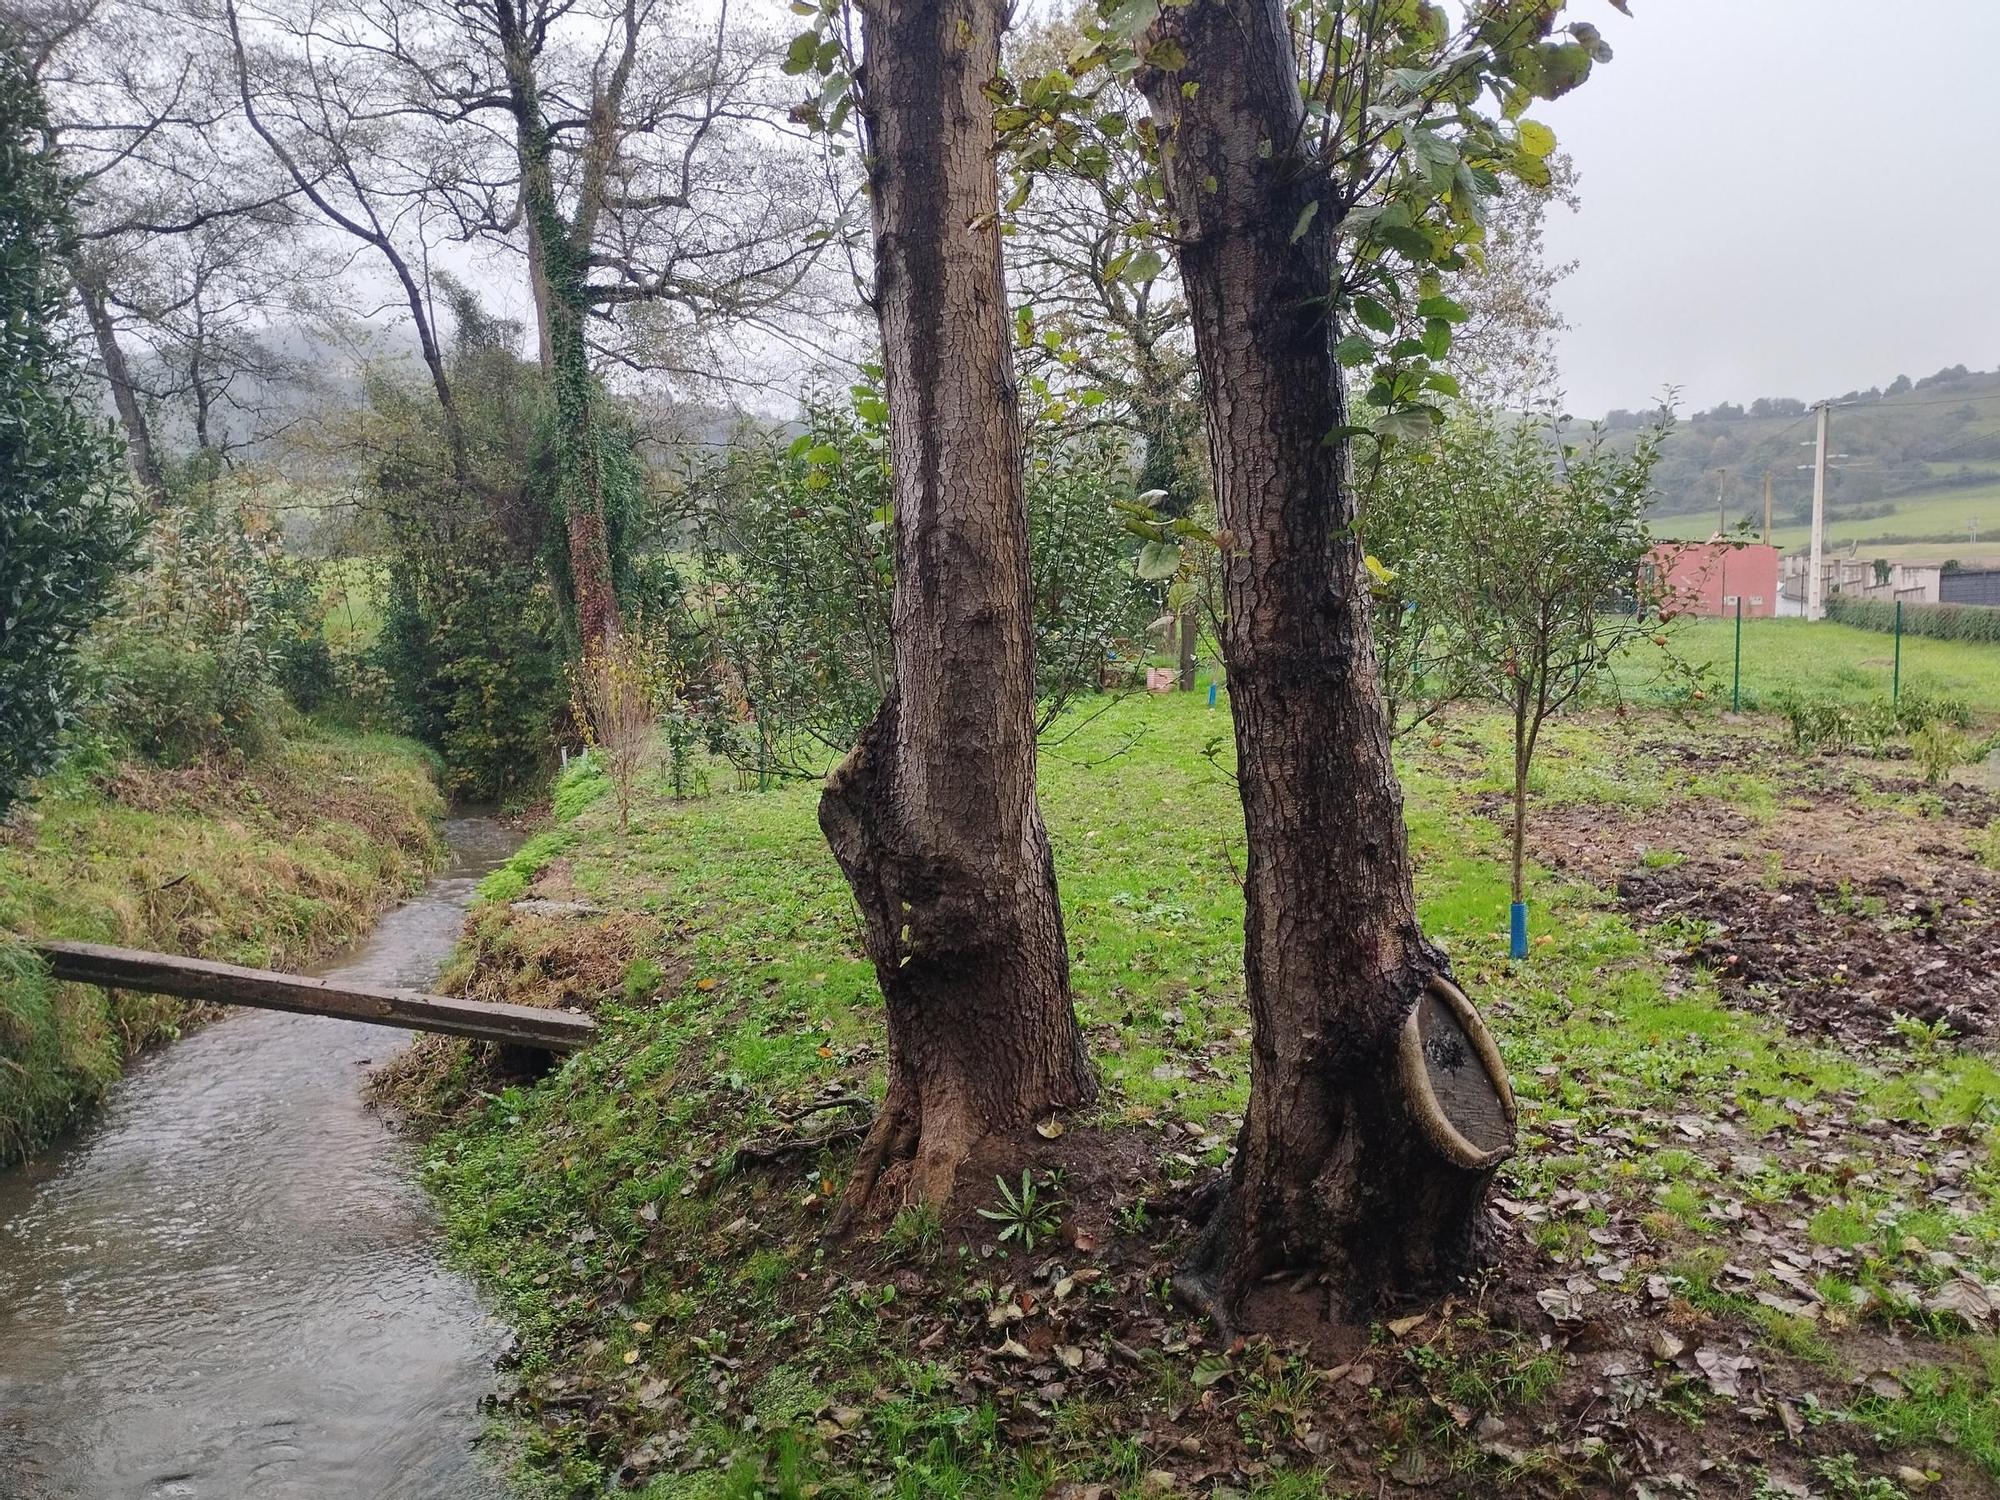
point(933, 815)
point(1378, 1106)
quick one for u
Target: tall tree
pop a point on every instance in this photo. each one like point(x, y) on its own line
point(933, 814)
point(631, 152)
point(1378, 1105)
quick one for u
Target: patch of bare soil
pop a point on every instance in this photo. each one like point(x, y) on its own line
point(1839, 959)
point(1833, 913)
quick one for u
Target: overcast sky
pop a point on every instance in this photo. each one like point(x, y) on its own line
point(1780, 198)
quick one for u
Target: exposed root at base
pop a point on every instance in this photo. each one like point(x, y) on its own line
point(1197, 1291)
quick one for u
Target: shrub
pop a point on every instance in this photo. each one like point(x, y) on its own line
point(615, 697)
point(1943, 622)
point(65, 533)
point(210, 635)
point(468, 643)
point(1817, 723)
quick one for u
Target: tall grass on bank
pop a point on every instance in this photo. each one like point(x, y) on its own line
point(270, 862)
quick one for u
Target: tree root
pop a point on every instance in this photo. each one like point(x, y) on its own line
point(891, 1137)
point(935, 1140)
point(775, 1148)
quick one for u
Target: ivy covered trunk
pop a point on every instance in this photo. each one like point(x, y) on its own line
point(558, 273)
point(933, 815)
point(1378, 1106)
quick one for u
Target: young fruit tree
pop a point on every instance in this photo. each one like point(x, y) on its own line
point(933, 814)
point(1542, 575)
point(1320, 163)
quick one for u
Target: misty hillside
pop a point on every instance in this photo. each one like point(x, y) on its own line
point(1920, 478)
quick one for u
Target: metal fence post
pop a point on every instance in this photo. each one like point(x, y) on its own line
point(1736, 685)
point(1896, 672)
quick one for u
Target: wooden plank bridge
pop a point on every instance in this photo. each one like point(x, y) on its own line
point(230, 984)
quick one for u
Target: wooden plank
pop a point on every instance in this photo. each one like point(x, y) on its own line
point(230, 984)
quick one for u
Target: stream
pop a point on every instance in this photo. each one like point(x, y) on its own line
point(228, 1285)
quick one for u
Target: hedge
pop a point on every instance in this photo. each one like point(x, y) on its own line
point(1942, 622)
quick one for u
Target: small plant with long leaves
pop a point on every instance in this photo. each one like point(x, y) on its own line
point(1031, 1213)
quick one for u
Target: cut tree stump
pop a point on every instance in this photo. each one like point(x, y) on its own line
point(265, 989)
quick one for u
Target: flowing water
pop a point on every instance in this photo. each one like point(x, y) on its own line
point(228, 1286)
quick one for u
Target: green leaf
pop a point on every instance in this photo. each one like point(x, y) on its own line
point(1537, 140)
point(1374, 315)
point(799, 56)
point(1409, 423)
point(1304, 220)
point(1354, 350)
point(1159, 560)
point(1145, 264)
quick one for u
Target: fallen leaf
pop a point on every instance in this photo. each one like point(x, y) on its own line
point(1967, 1299)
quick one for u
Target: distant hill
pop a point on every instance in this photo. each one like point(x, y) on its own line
point(1920, 479)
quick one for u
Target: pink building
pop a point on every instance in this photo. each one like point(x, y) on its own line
point(1707, 578)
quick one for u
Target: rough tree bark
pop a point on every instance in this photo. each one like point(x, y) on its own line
point(1378, 1106)
point(933, 815)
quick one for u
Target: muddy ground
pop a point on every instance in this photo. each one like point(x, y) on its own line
point(1860, 900)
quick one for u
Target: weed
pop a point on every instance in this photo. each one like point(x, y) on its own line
point(1028, 1215)
point(916, 1233)
point(1133, 1218)
point(1939, 750)
point(1925, 1039)
point(1841, 1474)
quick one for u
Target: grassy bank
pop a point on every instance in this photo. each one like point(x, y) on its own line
point(269, 863)
point(1726, 1253)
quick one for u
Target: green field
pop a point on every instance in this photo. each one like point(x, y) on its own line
point(1837, 661)
point(1944, 515)
point(691, 1298)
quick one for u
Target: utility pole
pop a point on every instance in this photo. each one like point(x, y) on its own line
point(1722, 503)
point(1767, 507)
point(1815, 583)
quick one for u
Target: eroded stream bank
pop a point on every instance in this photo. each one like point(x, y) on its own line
point(228, 1284)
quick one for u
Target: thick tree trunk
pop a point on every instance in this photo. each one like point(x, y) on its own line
point(933, 814)
point(1378, 1106)
point(140, 460)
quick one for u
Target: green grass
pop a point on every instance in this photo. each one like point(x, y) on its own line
point(1822, 658)
point(613, 1171)
point(265, 864)
point(353, 590)
point(1955, 1406)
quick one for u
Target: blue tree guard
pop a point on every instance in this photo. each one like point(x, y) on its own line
point(1517, 930)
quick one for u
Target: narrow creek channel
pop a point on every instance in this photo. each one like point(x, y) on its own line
point(228, 1286)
